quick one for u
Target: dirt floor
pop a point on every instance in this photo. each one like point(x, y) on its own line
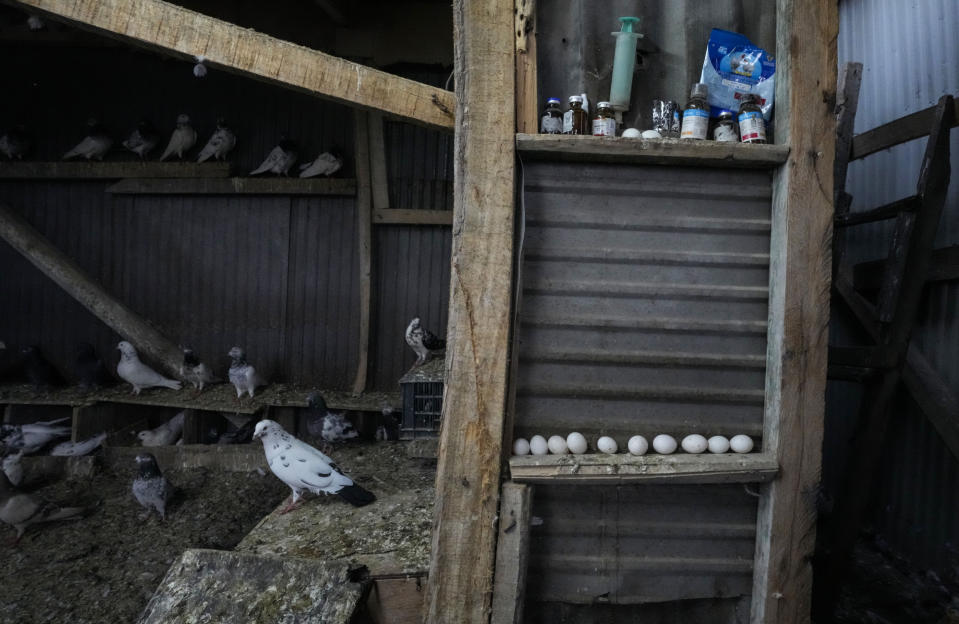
point(104, 568)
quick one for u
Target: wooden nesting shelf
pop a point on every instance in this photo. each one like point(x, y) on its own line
point(599, 468)
point(675, 152)
point(234, 186)
point(95, 170)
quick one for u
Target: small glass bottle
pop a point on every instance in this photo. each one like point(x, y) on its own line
point(552, 120)
point(575, 120)
point(752, 126)
point(726, 129)
point(696, 115)
point(604, 124)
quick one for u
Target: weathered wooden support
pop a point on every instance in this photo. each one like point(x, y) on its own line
point(234, 186)
point(97, 170)
point(899, 131)
point(59, 267)
point(477, 354)
point(361, 141)
point(185, 33)
point(512, 552)
point(944, 266)
point(527, 102)
point(624, 468)
point(799, 278)
point(847, 103)
point(402, 216)
point(880, 213)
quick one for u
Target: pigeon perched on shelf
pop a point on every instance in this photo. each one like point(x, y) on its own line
point(304, 468)
point(326, 164)
point(326, 425)
point(35, 22)
point(39, 371)
point(220, 143)
point(182, 139)
point(137, 374)
point(242, 375)
point(79, 449)
point(13, 467)
point(238, 434)
point(91, 371)
point(194, 371)
point(32, 437)
point(150, 487)
point(280, 159)
point(15, 142)
point(94, 145)
point(143, 139)
point(164, 435)
point(422, 341)
point(20, 510)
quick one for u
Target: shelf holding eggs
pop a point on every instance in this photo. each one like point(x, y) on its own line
point(662, 444)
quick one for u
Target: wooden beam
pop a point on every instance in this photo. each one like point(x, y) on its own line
point(847, 103)
point(943, 267)
point(527, 102)
point(185, 33)
point(477, 354)
point(799, 278)
point(862, 357)
point(399, 216)
point(94, 170)
point(880, 213)
point(361, 137)
point(512, 553)
point(676, 152)
point(234, 186)
point(91, 294)
point(379, 178)
point(898, 131)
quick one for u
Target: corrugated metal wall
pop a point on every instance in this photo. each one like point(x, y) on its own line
point(277, 274)
point(910, 55)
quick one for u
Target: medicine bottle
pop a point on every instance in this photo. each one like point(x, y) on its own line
point(604, 124)
point(552, 120)
point(696, 115)
point(752, 126)
point(726, 129)
point(575, 120)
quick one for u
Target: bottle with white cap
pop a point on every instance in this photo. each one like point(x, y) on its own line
point(696, 115)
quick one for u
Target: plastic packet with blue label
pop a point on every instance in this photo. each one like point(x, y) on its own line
point(734, 66)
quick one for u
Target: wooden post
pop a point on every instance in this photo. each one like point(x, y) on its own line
point(361, 139)
point(799, 278)
point(847, 103)
point(512, 550)
point(527, 118)
point(68, 275)
point(470, 454)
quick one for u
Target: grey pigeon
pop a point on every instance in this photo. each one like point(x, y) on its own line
point(143, 139)
point(39, 371)
point(194, 371)
point(304, 468)
point(137, 374)
point(15, 142)
point(94, 145)
point(326, 425)
point(150, 487)
point(422, 341)
point(91, 371)
point(238, 434)
point(326, 164)
point(35, 22)
point(79, 449)
point(220, 143)
point(32, 437)
point(182, 139)
point(280, 158)
point(242, 375)
point(389, 428)
point(164, 435)
point(20, 510)
point(13, 467)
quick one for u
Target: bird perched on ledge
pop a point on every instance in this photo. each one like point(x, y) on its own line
point(422, 341)
point(242, 375)
point(195, 371)
point(138, 374)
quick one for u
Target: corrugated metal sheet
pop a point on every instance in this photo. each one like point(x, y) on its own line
point(910, 54)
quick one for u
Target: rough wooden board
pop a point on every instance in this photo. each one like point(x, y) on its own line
point(624, 468)
point(185, 33)
point(234, 186)
point(401, 216)
point(899, 131)
point(379, 178)
point(396, 600)
point(944, 266)
point(364, 243)
point(799, 277)
point(880, 213)
point(527, 101)
point(512, 552)
point(477, 356)
point(92, 170)
point(225, 457)
point(676, 152)
point(847, 103)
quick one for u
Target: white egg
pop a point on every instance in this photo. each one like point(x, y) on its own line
point(741, 443)
point(664, 444)
point(557, 445)
point(606, 445)
point(651, 134)
point(638, 445)
point(694, 443)
point(521, 446)
point(631, 133)
point(576, 443)
point(538, 446)
point(718, 444)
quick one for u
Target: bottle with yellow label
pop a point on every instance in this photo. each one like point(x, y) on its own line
point(696, 116)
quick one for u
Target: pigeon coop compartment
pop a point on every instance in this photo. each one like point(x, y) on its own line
point(422, 388)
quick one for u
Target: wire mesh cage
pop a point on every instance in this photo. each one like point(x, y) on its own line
point(422, 401)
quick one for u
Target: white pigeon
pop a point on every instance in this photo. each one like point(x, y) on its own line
point(32, 437)
point(94, 145)
point(138, 374)
point(221, 142)
point(182, 139)
point(422, 341)
point(143, 139)
point(280, 158)
point(195, 371)
point(164, 435)
point(13, 467)
point(20, 510)
point(325, 164)
point(78, 449)
point(304, 468)
point(242, 375)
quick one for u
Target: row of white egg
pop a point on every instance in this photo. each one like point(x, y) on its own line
point(638, 445)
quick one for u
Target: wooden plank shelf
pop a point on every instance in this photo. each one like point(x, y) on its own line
point(622, 468)
point(399, 216)
point(217, 398)
point(96, 170)
point(234, 186)
point(675, 152)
